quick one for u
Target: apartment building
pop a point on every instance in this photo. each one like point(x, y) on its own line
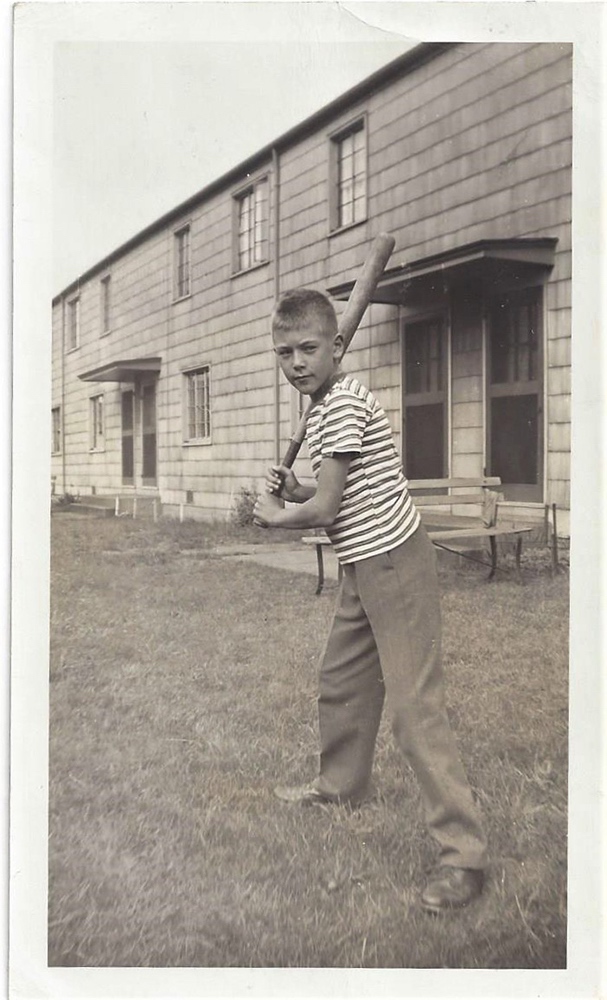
point(164, 381)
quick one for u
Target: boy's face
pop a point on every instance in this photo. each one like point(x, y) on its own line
point(309, 357)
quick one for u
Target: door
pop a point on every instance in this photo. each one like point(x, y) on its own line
point(148, 434)
point(514, 394)
point(425, 399)
point(128, 451)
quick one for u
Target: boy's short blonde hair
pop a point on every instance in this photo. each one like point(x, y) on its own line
point(302, 306)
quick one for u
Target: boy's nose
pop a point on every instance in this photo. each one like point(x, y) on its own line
point(298, 361)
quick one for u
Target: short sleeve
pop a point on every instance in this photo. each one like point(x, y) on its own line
point(343, 424)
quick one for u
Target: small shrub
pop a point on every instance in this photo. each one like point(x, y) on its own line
point(64, 499)
point(242, 512)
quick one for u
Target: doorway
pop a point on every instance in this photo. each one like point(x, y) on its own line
point(148, 434)
point(128, 449)
point(425, 398)
point(514, 394)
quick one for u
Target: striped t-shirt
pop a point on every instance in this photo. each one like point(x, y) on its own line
point(376, 512)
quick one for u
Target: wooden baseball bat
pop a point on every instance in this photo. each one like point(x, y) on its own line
point(365, 285)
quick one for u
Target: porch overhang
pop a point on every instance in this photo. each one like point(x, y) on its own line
point(499, 265)
point(123, 371)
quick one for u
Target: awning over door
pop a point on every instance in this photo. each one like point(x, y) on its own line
point(500, 265)
point(123, 371)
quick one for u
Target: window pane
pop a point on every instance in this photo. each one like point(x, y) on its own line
point(424, 357)
point(245, 227)
point(514, 430)
point(351, 178)
point(425, 442)
point(514, 341)
point(105, 304)
point(252, 226)
point(198, 405)
point(56, 442)
point(73, 323)
point(183, 263)
point(191, 407)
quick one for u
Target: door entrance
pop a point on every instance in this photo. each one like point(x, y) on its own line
point(128, 452)
point(148, 434)
point(515, 431)
point(424, 399)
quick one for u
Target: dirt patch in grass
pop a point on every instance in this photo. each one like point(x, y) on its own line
point(183, 689)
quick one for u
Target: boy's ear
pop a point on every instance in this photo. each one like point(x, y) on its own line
point(339, 346)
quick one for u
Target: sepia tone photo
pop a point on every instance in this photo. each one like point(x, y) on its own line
point(310, 384)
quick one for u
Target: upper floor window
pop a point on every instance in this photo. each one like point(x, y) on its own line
point(252, 226)
point(198, 404)
point(105, 304)
point(182, 262)
point(73, 323)
point(96, 423)
point(56, 430)
point(349, 175)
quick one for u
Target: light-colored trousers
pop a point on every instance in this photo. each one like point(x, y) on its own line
point(386, 640)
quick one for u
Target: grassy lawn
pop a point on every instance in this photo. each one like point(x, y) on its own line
point(183, 687)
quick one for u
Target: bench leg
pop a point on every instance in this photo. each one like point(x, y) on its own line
point(321, 570)
point(493, 544)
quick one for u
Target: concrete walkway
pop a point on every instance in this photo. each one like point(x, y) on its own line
point(293, 558)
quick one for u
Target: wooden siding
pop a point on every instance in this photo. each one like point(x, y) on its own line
point(473, 144)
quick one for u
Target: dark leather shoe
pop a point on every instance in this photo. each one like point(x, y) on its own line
point(451, 888)
point(303, 795)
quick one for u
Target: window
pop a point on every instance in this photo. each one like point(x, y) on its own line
point(349, 176)
point(56, 441)
point(252, 226)
point(96, 423)
point(73, 324)
point(514, 394)
point(182, 263)
point(105, 304)
point(198, 405)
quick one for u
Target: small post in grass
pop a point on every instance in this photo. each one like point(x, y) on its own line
point(555, 550)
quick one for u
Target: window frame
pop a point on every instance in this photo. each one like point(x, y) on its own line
point(178, 285)
point(97, 436)
point(105, 305)
point(188, 374)
point(238, 197)
point(73, 308)
point(356, 125)
point(56, 431)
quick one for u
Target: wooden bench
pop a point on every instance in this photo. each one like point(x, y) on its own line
point(443, 526)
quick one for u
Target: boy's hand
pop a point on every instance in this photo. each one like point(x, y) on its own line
point(266, 509)
point(281, 481)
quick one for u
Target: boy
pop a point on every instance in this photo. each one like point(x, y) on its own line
point(385, 636)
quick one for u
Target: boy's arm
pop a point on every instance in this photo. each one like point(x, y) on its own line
point(282, 482)
point(319, 511)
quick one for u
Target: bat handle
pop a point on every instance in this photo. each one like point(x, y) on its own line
point(294, 445)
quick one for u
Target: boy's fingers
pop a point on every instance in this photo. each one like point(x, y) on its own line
point(280, 484)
